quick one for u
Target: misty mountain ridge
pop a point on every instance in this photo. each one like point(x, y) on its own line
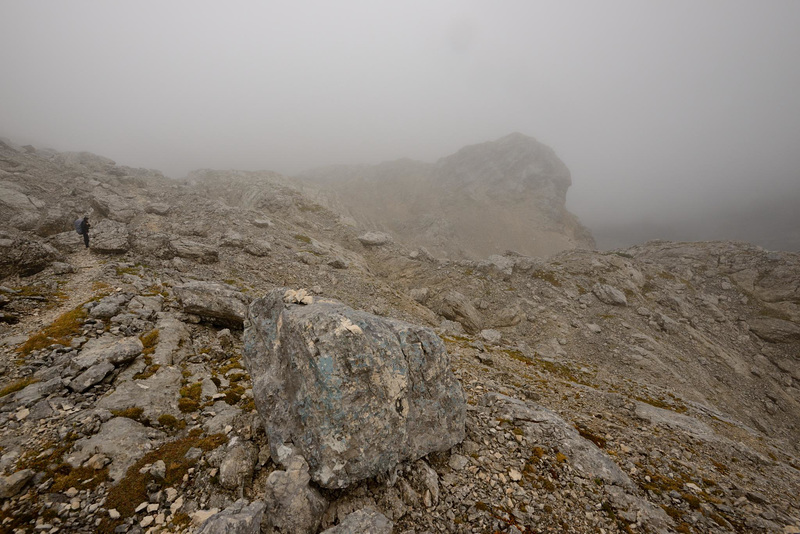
point(485, 199)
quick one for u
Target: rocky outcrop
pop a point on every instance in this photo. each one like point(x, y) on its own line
point(25, 257)
point(113, 206)
point(355, 393)
point(456, 307)
point(507, 194)
point(219, 303)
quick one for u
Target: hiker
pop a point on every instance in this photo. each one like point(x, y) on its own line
point(84, 229)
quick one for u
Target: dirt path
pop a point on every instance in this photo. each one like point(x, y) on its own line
point(78, 288)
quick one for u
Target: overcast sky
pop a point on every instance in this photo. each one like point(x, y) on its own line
point(656, 107)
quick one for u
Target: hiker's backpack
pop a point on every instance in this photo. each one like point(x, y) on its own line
point(79, 226)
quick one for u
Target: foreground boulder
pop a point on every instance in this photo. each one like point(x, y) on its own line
point(353, 392)
point(219, 303)
point(24, 257)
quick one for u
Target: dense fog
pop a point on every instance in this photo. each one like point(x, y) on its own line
point(678, 120)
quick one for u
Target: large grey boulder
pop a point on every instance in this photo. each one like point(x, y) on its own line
point(155, 245)
point(238, 518)
point(233, 239)
point(365, 520)
point(220, 303)
point(38, 390)
point(146, 307)
point(354, 392)
point(60, 267)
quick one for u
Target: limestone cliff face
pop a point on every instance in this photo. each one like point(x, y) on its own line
point(507, 194)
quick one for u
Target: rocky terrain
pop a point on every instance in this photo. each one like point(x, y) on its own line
point(186, 373)
point(485, 199)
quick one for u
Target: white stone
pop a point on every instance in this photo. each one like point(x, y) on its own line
point(199, 517)
point(176, 506)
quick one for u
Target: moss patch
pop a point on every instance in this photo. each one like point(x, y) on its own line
point(547, 276)
point(171, 422)
point(16, 386)
point(132, 489)
point(664, 404)
point(586, 433)
point(149, 342)
point(61, 331)
point(190, 398)
point(81, 478)
point(233, 394)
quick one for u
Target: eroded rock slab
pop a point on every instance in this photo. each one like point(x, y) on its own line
point(354, 392)
point(108, 349)
point(220, 303)
point(121, 439)
point(156, 395)
point(775, 330)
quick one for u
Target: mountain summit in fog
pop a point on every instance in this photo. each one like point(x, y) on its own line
point(485, 199)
